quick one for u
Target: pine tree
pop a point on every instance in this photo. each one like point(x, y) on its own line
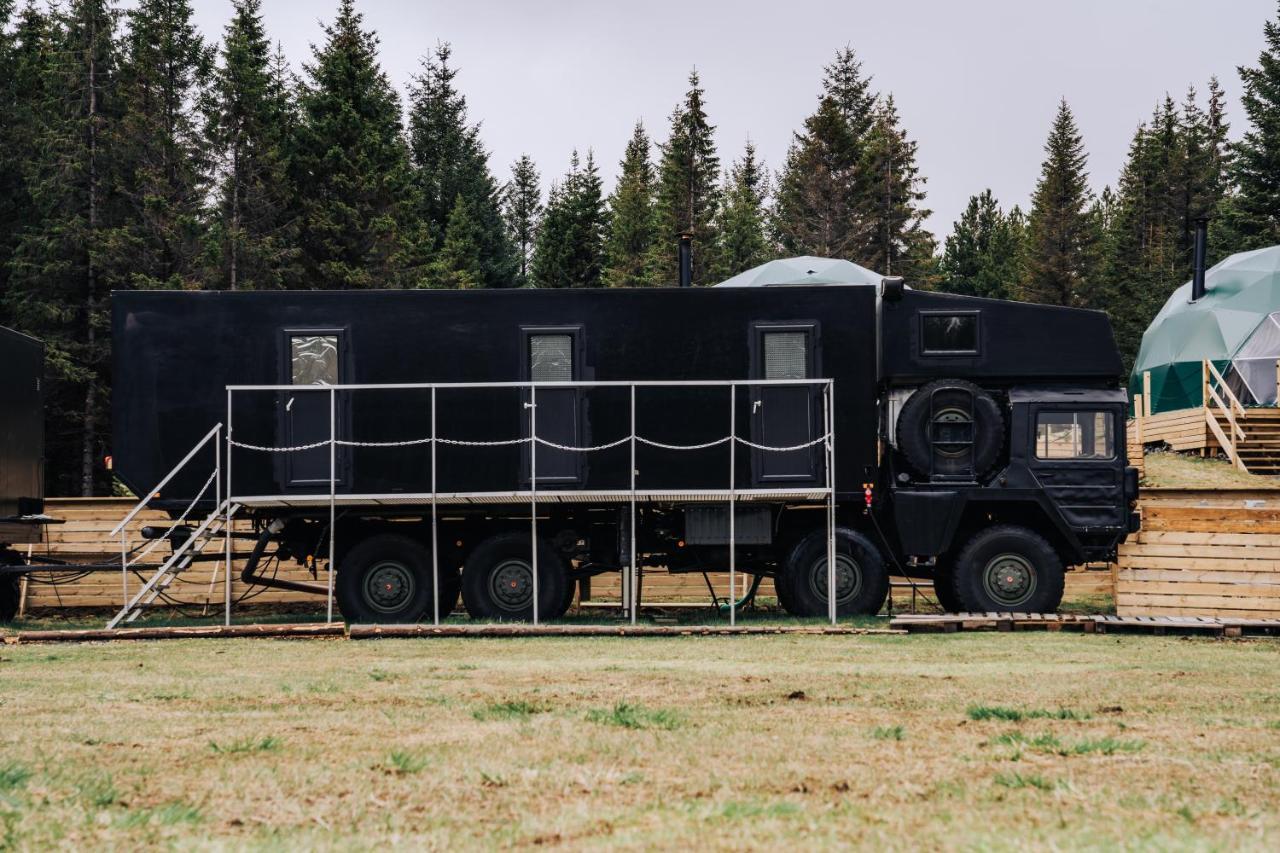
point(899, 243)
point(1062, 243)
point(570, 247)
point(351, 167)
point(743, 243)
point(449, 160)
point(161, 149)
point(522, 210)
point(64, 265)
point(688, 192)
point(249, 126)
point(1253, 215)
point(983, 255)
point(632, 237)
point(458, 263)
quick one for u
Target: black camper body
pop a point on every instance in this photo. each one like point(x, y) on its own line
point(21, 453)
point(954, 419)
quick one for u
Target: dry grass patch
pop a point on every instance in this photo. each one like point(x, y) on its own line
point(970, 740)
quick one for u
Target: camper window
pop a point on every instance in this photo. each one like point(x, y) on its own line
point(551, 358)
point(786, 355)
point(1075, 435)
point(313, 359)
point(949, 333)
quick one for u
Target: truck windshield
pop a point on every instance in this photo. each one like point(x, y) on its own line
point(1075, 435)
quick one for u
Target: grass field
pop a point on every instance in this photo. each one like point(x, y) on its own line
point(1168, 470)
point(959, 741)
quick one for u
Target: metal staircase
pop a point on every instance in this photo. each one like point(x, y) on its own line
point(179, 561)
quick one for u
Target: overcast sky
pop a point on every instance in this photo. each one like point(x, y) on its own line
point(976, 83)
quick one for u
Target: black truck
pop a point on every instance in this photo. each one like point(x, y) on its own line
point(977, 443)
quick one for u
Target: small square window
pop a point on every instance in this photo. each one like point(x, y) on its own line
point(314, 359)
point(551, 358)
point(949, 333)
point(786, 355)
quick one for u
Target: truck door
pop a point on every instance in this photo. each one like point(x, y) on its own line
point(783, 415)
point(1077, 459)
point(551, 355)
point(312, 357)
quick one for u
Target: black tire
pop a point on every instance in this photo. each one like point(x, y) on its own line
point(387, 579)
point(8, 598)
point(497, 580)
point(862, 578)
point(570, 587)
point(944, 590)
point(1010, 569)
point(945, 399)
point(782, 590)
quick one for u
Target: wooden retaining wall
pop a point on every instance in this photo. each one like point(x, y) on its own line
point(1203, 554)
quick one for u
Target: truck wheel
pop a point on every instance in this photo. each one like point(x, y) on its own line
point(782, 590)
point(570, 587)
point(8, 598)
point(862, 581)
point(1008, 569)
point(944, 590)
point(948, 405)
point(497, 581)
point(387, 578)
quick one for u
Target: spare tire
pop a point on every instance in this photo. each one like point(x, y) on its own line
point(951, 427)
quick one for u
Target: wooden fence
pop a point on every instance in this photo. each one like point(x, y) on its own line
point(1203, 554)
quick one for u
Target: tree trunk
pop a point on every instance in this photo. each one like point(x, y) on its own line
point(88, 433)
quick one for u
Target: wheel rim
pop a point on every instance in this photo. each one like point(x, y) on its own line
point(388, 586)
point(948, 425)
point(511, 585)
point(1009, 579)
point(848, 578)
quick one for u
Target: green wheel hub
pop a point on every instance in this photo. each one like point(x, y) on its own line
point(388, 586)
point(1009, 579)
point(511, 585)
point(848, 578)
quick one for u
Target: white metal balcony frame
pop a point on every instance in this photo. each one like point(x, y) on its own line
point(228, 502)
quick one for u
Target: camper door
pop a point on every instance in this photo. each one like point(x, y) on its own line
point(312, 359)
point(784, 415)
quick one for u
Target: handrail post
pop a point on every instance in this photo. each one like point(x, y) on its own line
point(830, 442)
point(533, 493)
point(333, 489)
point(226, 592)
point(632, 582)
point(733, 480)
point(435, 547)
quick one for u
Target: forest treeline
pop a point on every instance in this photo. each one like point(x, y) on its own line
point(138, 154)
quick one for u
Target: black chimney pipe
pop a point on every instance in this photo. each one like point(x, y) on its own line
point(686, 259)
point(1197, 276)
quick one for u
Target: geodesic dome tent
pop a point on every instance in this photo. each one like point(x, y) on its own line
point(805, 269)
point(1236, 325)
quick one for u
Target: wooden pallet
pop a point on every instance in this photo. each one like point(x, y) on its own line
point(1212, 626)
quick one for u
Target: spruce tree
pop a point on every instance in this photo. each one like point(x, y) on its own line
point(163, 155)
point(1062, 243)
point(570, 247)
point(255, 228)
point(522, 210)
point(984, 253)
point(743, 242)
point(1253, 216)
point(894, 215)
point(64, 264)
point(351, 167)
point(632, 238)
point(688, 192)
point(458, 263)
point(449, 160)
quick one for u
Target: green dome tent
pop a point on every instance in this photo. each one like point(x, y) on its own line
point(1236, 325)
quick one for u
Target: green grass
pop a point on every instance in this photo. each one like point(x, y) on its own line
point(629, 716)
point(888, 733)
point(518, 709)
point(1118, 742)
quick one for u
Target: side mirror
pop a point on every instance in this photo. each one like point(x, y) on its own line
point(892, 287)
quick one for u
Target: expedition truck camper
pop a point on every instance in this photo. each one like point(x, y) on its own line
point(417, 446)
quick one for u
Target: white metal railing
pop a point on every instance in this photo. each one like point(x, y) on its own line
point(226, 501)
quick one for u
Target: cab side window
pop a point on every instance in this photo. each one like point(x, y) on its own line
point(1075, 435)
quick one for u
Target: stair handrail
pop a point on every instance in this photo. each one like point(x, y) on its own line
point(1235, 404)
point(154, 492)
point(1227, 439)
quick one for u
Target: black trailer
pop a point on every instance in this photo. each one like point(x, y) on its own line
point(21, 455)
point(979, 443)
